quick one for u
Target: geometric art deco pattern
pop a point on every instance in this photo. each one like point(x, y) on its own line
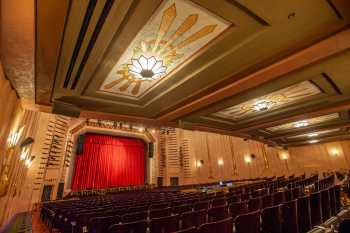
point(175, 33)
point(307, 122)
point(272, 101)
point(314, 134)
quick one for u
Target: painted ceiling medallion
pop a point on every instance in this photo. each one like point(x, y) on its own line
point(303, 123)
point(272, 101)
point(174, 34)
point(314, 134)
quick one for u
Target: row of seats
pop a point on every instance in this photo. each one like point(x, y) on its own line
point(185, 211)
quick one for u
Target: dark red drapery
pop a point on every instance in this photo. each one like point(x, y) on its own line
point(109, 161)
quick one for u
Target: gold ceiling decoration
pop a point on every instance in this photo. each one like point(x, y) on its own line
point(177, 31)
point(314, 134)
point(304, 123)
point(272, 101)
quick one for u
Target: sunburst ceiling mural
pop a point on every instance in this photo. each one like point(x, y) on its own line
point(314, 134)
point(176, 32)
point(305, 123)
point(272, 101)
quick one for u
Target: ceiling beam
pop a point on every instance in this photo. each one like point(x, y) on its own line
point(316, 52)
point(310, 130)
point(272, 121)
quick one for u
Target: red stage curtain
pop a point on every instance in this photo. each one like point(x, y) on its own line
point(109, 161)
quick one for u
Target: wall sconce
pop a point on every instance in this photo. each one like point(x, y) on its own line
point(199, 163)
point(29, 161)
point(248, 159)
point(141, 129)
point(335, 152)
point(220, 162)
point(284, 155)
point(24, 154)
point(14, 137)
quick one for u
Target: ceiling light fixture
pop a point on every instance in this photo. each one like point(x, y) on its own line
point(311, 135)
point(313, 141)
point(262, 105)
point(300, 124)
point(147, 68)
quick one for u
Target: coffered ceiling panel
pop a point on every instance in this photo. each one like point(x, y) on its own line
point(275, 100)
point(176, 32)
point(304, 123)
point(243, 67)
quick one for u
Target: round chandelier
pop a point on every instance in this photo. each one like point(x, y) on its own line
point(147, 68)
point(299, 124)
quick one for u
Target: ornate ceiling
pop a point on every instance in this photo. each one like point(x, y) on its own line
point(241, 67)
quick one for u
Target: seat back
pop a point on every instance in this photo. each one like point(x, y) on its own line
point(272, 219)
point(164, 224)
point(193, 218)
point(131, 227)
point(238, 208)
point(132, 217)
point(290, 217)
point(255, 204)
point(278, 198)
point(344, 226)
point(101, 224)
point(248, 223)
point(316, 208)
point(182, 209)
point(222, 226)
point(217, 213)
point(201, 205)
point(304, 213)
point(267, 201)
point(188, 230)
point(158, 213)
point(326, 205)
point(218, 202)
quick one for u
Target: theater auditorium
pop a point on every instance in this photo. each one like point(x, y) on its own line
point(175, 116)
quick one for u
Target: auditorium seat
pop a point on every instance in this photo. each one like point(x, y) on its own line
point(193, 218)
point(217, 213)
point(325, 203)
point(132, 227)
point(296, 192)
point(222, 226)
point(254, 204)
point(272, 219)
point(201, 205)
point(304, 213)
point(164, 224)
point(135, 216)
point(138, 208)
point(188, 230)
point(157, 213)
point(290, 217)
point(267, 201)
point(101, 224)
point(332, 201)
point(238, 208)
point(218, 202)
point(278, 198)
point(248, 223)
point(182, 209)
point(337, 199)
point(159, 206)
point(316, 208)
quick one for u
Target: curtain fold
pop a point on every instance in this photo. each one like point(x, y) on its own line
point(109, 161)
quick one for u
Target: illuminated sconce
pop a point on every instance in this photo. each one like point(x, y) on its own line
point(24, 154)
point(220, 162)
point(141, 129)
point(335, 152)
point(153, 131)
point(14, 137)
point(284, 155)
point(248, 159)
point(199, 163)
point(29, 161)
